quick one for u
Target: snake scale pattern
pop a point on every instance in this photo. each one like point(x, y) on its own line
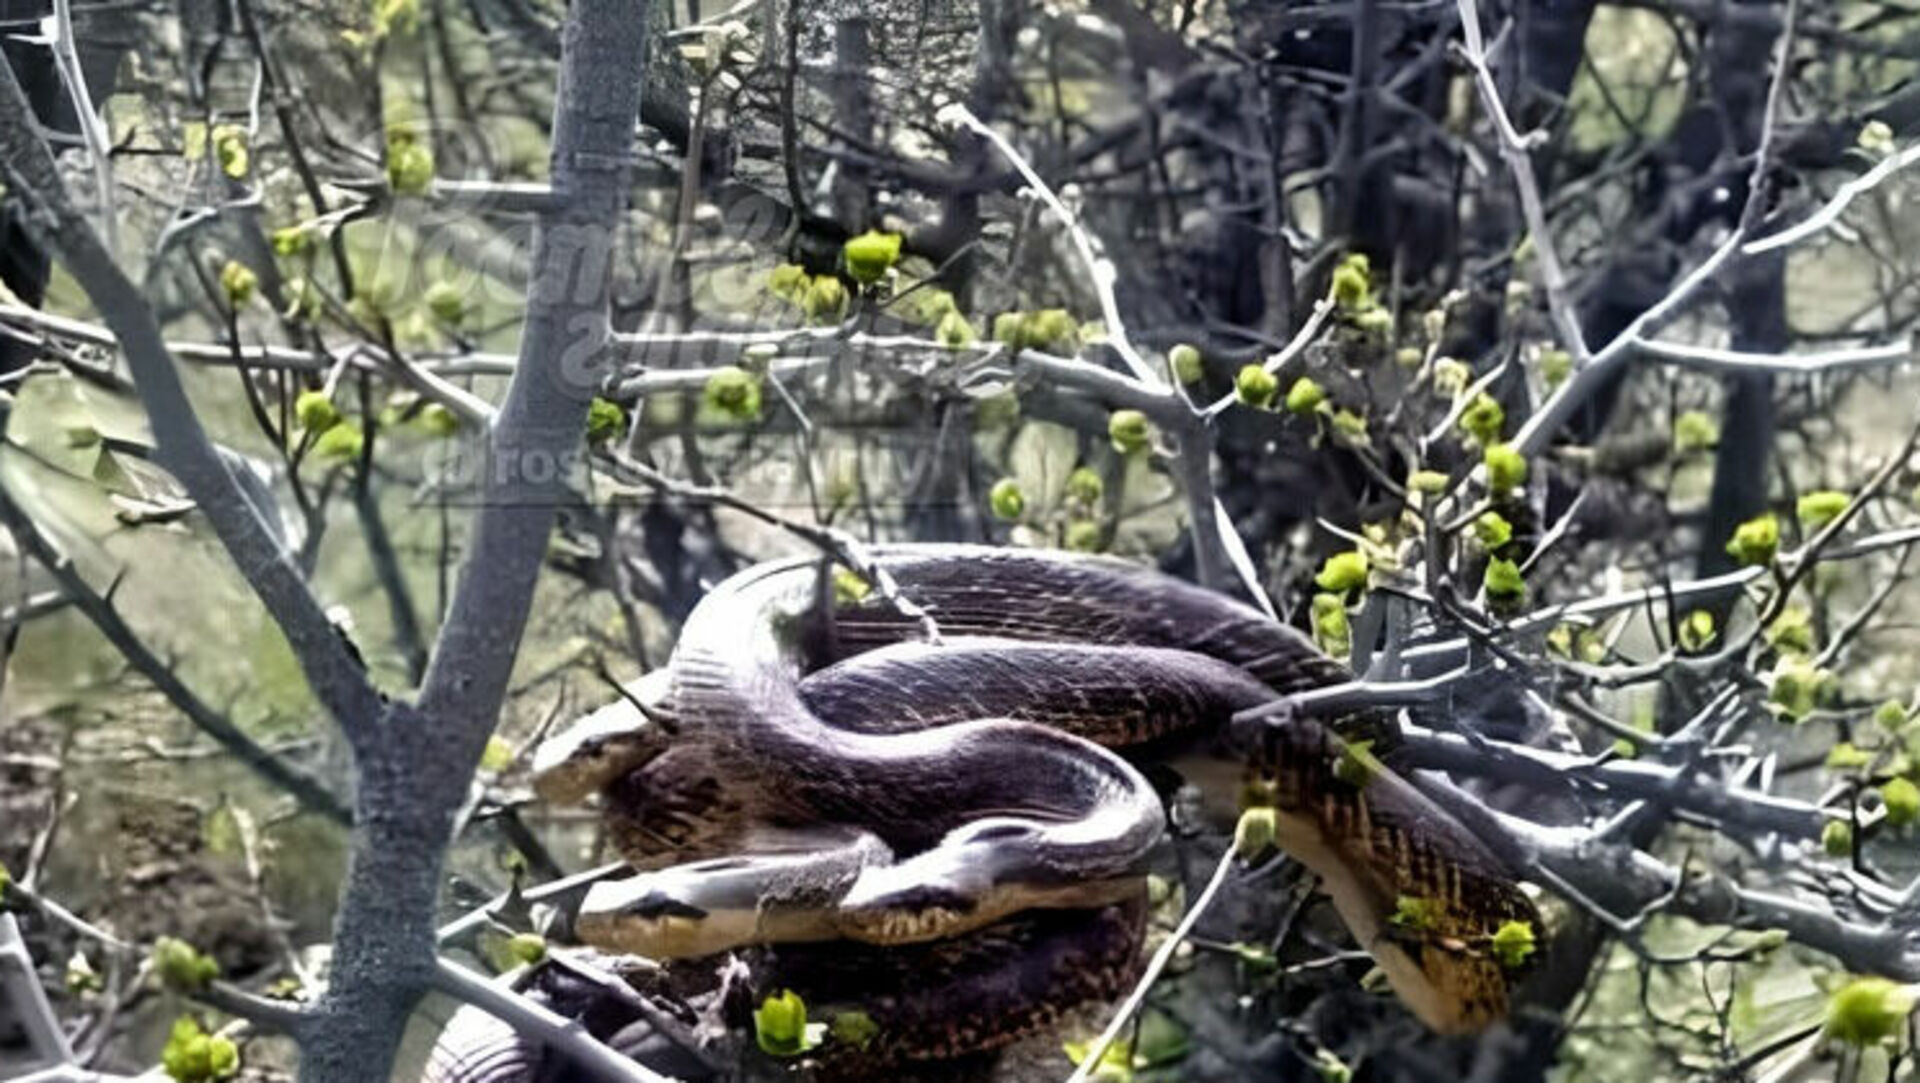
point(816, 779)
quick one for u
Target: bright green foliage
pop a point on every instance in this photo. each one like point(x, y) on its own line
point(1414, 912)
point(734, 392)
point(1006, 500)
point(238, 281)
point(1484, 419)
point(854, 1028)
point(1254, 834)
point(498, 755)
point(292, 241)
point(955, 332)
point(180, 967)
point(1694, 431)
point(342, 442)
point(1817, 509)
point(1408, 357)
point(1331, 1068)
point(437, 420)
point(447, 303)
point(849, 586)
point(1796, 687)
point(1376, 321)
point(1492, 530)
point(1891, 716)
point(1756, 540)
point(1350, 428)
point(1503, 581)
point(1343, 572)
point(1513, 943)
point(194, 1056)
point(230, 149)
point(1837, 838)
point(1902, 799)
point(1185, 362)
point(1305, 396)
point(1868, 1011)
point(780, 1026)
point(1846, 755)
point(1430, 482)
point(1330, 627)
point(1050, 329)
point(789, 281)
point(1625, 749)
point(871, 255)
point(1555, 366)
point(1697, 631)
point(315, 411)
point(409, 163)
point(1083, 536)
point(606, 420)
point(1357, 765)
point(1506, 468)
point(527, 948)
point(825, 300)
point(1085, 486)
point(1352, 288)
point(1791, 631)
point(1255, 386)
point(1451, 376)
point(1129, 431)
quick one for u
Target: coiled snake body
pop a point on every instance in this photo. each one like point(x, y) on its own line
point(846, 779)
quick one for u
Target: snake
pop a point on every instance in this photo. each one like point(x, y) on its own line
point(933, 771)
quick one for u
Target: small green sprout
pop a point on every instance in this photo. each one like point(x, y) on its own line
point(1756, 541)
point(1867, 1011)
point(1846, 755)
point(1414, 912)
point(194, 1056)
point(1891, 716)
point(1330, 626)
point(1083, 536)
point(855, 1028)
point(1430, 482)
point(780, 1026)
point(789, 281)
point(1796, 687)
point(1875, 138)
point(409, 164)
point(734, 392)
point(1085, 486)
point(1506, 468)
point(1357, 765)
point(1697, 631)
point(180, 967)
point(606, 420)
point(954, 331)
point(1343, 572)
point(825, 300)
point(292, 241)
point(1006, 500)
point(1792, 631)
point(1483, 419)
point(1513, 943)
point(1503, 581)
point(1186, 364)
point(1902, 800)
point(1837, 838)
point(1817, 509)
point(1694, 430)
point(447, 303)
point(1491, 530)
point(230, 148)
point(497, 756)
point(1256, 387)
point(527, 948)
point(871, 255)
point(238, 281)
point(315, 412)
point(438, 420)
point(1255, 832)
point(1305, 396)
point(341, 443)
point(1555, 366)
point(1352, 290)
point(1129, 431)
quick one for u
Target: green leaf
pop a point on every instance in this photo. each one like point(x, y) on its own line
point(1006, 500)
point(343, 441)
point(734, 392)
point(1868, 1011)
point(1330, 626)
point(180, 967)
point(780, 1026)
point(1836, 838)
point(871, 255)
point(1492, 530)
point(855, 1028)
point(1255, 832)
point(1902, 799)
point(1129, 431)
point(1414, 912)
point(239, 282)
point(1343, 572)
point(1255, 386)
point(1817, 509)
point(606, 420)
point(1186, 364)
point(1756, 541)
point(1506, 468)
point(497, 756)
point(1503, 581)
point(1484, 419)
point(1697, 631)
point(955, 332)
point(1305, 396)
point(315, 411)
point(1694, 431)
point(1513, 943)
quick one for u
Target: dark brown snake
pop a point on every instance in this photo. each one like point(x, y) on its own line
point(821, 778)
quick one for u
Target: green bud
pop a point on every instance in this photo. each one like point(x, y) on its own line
point(1483, 419)
point(194, 1056)
point(1083, 536)
point(1846, 755)
point(1408, 357)
point(314, 410)
point(1305, 396)
point(871, 255)
point(1350, 428)
point(1756, 540)
point(437, 420)
point(292, 241)
point(1694, 431)
point(1129, 431)
point(239, 281)
point(789, 281)
point(1555, 367)
point(1503, 581)
point(6, 881)
point(342, 442)
point(606, 420)
point(446, 302)
point(1451, 377)
point(1006, 500)
point(1875, 138)
point(1186, 363)
point(1891, 716)
point(1513, 943)
point(409, 165)
point(854, 1028)
point(1492, 530)
point(180, 967)
point(1817, 509)
point(1357, 766)
point(527, 948)
point(1376, 321)
point(1430, 482)
point(780, 1026)
point(1902, 799)
point(1837, 838)
point(1791, 631)
point(230, 148)
point(825, 300)
point(849, 587)
point(1343, 572)
point(1085, 486)
point(1256, 387)
point(1697, 631)
point(954, 332)
point(1351, 289)
point(1254, 834)
point(1506, 468)
point(1330, 626)
point(1625, 749)
point(1795, 687)
point(1053, 329)
point(497, 756)
point(733, 391)
point(1868, 1011)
